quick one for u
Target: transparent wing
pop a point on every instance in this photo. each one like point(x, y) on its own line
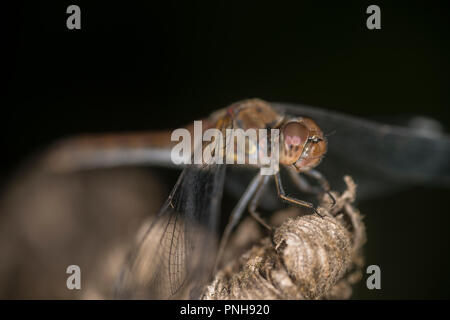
point(175, 256)
point(379, 156)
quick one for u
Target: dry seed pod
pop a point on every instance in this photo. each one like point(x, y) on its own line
point(307, 258)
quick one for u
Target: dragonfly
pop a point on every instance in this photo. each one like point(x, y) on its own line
point(178, 252)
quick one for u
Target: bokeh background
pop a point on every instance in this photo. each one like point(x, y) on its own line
point(160, 65)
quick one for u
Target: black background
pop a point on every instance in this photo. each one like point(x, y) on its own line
point(160, 65)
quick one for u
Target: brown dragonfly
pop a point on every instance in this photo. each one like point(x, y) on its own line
point(178, 252)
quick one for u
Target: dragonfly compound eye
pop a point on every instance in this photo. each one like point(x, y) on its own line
point(314, 151)
point(295, 135)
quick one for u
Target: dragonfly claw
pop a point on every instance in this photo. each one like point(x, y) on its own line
point(333, 199)
point(317, 212)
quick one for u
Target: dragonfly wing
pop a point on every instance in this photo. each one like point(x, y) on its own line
point(379, 156)
point(175, 256)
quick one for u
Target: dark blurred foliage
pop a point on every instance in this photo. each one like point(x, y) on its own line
point(158, 65)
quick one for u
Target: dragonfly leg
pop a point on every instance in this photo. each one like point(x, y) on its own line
point(254, 203)
point(236, 215)
point(283, 196)
point(301, 183)
point(322, 181)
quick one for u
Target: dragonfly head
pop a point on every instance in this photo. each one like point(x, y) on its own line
point(303, 144)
